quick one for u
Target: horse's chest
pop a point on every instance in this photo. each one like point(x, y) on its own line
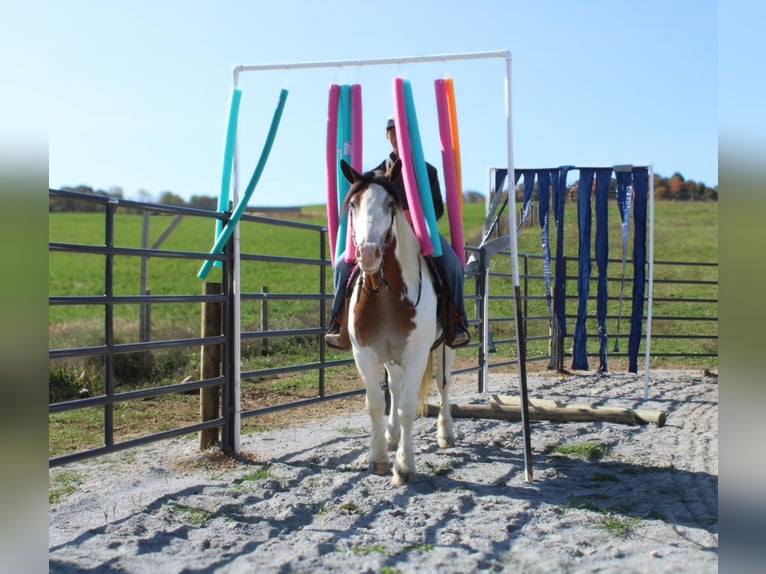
point(383, 320)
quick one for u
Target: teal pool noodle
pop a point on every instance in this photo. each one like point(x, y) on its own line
point(344, 152)
point(421, 172)
point(236, 215)
point(228, 160)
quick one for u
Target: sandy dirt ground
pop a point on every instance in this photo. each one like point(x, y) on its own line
point(606, 497)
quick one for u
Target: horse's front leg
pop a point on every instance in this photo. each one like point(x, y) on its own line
point(376, 407)
point(393, 431)
point(445, 434)
point(404, 465)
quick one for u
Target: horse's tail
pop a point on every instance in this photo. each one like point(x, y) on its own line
point(425, 386)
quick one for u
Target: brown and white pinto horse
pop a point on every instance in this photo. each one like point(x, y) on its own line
point(392, 321)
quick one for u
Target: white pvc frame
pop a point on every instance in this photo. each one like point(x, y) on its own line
point(504, 54)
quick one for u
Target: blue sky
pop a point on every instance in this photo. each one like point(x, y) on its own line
point(137, 93)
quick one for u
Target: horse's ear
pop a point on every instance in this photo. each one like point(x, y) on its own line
point(349, 172)
point(395, 172)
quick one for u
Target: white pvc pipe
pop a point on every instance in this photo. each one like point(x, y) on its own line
point(485, 300)
point(516, 285)
point(511, 179)
point(237, 330)
point(334, 64)
point(373, 62)
point(485, 332)
point(237, 337)
point(651, 283)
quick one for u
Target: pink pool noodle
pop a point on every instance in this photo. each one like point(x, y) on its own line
point(408, 169)
point(332, 168)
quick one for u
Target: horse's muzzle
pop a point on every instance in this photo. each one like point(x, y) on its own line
point(370, 257)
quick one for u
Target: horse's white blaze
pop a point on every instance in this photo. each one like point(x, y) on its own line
point(369, 230)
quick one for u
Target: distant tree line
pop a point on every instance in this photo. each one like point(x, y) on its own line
point(61, 204)
point(674, 187)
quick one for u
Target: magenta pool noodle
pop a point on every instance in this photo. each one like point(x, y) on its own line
point(356, 127)
point(331, 159)
point(450, 172)
point(236, 215)
point(408, 171)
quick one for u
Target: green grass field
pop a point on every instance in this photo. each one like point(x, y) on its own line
point(683, 232)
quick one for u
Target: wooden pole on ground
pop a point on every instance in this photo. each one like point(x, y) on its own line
point(504, 407)
point(210, 364)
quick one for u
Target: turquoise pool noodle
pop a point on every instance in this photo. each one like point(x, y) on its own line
point(223, 237)
point(228, 160)
point(344, 152)
point(421, 172)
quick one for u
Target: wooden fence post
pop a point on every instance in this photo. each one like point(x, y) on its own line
point(210, 364)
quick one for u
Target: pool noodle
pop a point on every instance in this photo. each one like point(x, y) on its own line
point(356, 154)
point(331, 153)
point(455, 140)
point(356, 127)
point(223, 237)
point(228, 159)
point(344, 152)
point(450, 177)
point(421, 171)
point(408, 171)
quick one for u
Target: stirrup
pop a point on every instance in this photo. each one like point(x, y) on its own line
point(333, 338)
point(460, 336)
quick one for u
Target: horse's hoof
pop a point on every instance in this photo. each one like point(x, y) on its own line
point(379, 467)
point(401, 479)
point(446, 442)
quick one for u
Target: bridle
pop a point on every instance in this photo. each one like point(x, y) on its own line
point(383, 279)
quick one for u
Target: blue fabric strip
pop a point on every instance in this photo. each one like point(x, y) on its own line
point(529, 184)
point(559, 287)
point(603, 179)
point(544, 200)
point(500, 175)
point(624, 179)
point(640, 189)
point(579, 354)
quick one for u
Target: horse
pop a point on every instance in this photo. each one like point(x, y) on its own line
point(392, 322)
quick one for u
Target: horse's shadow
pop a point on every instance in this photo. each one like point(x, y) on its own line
point(668, 494)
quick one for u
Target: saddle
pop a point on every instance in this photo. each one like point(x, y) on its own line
point(446, 313)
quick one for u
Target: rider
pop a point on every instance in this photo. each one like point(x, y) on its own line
point(449, 264)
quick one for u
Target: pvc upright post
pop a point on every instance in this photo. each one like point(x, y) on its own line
point(647, 346)
point(520, 338)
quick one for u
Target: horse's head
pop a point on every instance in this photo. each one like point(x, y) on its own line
point(372, 203)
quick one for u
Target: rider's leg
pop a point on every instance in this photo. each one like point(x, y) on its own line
point(341, 274)
point(452, 270)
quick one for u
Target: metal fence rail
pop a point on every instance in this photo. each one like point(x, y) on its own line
point(109, 350)
point(489, 293)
